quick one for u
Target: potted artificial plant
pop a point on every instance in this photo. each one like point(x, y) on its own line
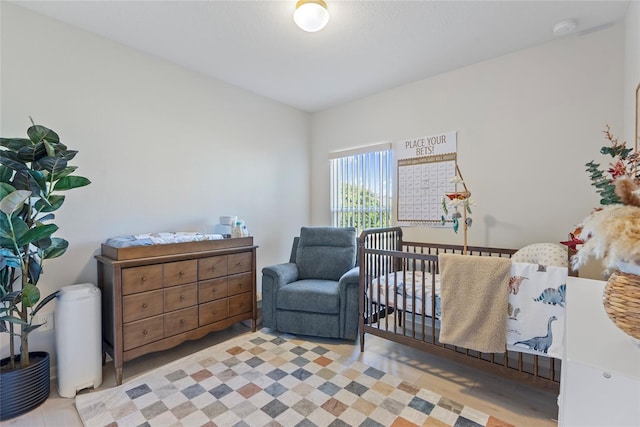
point(612, 232)
point(33, 171)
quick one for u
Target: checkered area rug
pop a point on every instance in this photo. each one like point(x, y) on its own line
point(269, 379)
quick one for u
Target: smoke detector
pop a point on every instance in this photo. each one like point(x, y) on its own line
point(565, 27)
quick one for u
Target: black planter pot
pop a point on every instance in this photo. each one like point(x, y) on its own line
point(22, 390)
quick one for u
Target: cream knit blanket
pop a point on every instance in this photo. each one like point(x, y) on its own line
point(474, 298)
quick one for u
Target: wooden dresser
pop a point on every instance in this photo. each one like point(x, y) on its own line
point(156, 297)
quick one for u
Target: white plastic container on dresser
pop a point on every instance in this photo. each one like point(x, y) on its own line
point(600, 380)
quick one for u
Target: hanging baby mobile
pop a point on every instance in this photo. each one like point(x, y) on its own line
point(459, 204)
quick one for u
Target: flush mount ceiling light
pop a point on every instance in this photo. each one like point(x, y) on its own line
point(565, 27)
point(311, 15)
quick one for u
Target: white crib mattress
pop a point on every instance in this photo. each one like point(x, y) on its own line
point(400, 287)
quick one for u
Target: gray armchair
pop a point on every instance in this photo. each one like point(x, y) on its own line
point(316, 292)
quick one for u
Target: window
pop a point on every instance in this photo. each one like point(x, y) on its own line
point(361, 187)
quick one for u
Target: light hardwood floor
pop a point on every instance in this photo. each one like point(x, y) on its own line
point(509, 401)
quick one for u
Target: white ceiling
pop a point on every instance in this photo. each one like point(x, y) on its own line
point(367, 47)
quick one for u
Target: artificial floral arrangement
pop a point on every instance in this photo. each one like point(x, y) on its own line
point(612, 232)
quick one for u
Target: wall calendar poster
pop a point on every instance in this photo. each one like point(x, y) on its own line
point(425, 168)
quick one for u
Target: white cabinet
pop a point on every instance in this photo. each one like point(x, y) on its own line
point(600, 381)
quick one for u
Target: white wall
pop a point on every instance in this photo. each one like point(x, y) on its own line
point(631, 68)
point(166, 149)
point(527, 123)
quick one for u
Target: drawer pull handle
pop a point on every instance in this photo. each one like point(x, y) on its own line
point(238, 264)
point(182, 321)
point(144, 279)
point(214, 312)
point(213, 290)
point(213, 268)
point(181, 297)
point(144, 305)
point(181, 274)
point(145, 332)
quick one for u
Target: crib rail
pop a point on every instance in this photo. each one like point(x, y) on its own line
point(406, 314)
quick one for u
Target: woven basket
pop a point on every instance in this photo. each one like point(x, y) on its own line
point(621, 301)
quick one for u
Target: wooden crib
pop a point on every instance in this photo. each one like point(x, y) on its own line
point(407, 316)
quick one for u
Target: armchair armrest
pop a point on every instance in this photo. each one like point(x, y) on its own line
point(349, 307)
point(273, 278)
point(350, 277)
point(281, 273)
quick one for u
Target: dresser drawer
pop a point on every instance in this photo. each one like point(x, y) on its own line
point(180, 321)
point(139, 306)
point(240, 283)
point(143, 332)
point(141, 279)
point(180, 272)
point(239, 304)
point(182, 296)
point(212, 267)
point(212, 289)
point(239, 263)
point(213, 311)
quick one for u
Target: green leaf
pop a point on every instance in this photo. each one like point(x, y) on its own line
point(18, 225)
point(47, 217)
point(42, 244)
point(6, 188)
point(69, 154)
point(40, 179)
point(50, 148)
point(53, 204)
point(70, 182)
point(5, 174)
point(32, 152)
point(36, 233)
point(13, 164)
point(15, 144)
point(44, 302)
point(30, 295)
point(34, 269)
point(51, 164)
point(65, 172)
point(23, 180)
point(9, 259)
point(39, 133)
point(58, 247)
point(14, 201)
point(11, 297)
point(15, 320)
point(32, 327)
point(608, 150)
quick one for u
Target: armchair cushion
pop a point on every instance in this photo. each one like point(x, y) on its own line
point(324, 253)
point(314, 296)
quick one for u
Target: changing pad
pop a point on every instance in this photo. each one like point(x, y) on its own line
point(149, 239)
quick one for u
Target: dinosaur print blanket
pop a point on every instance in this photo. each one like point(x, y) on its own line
point(536, 309)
